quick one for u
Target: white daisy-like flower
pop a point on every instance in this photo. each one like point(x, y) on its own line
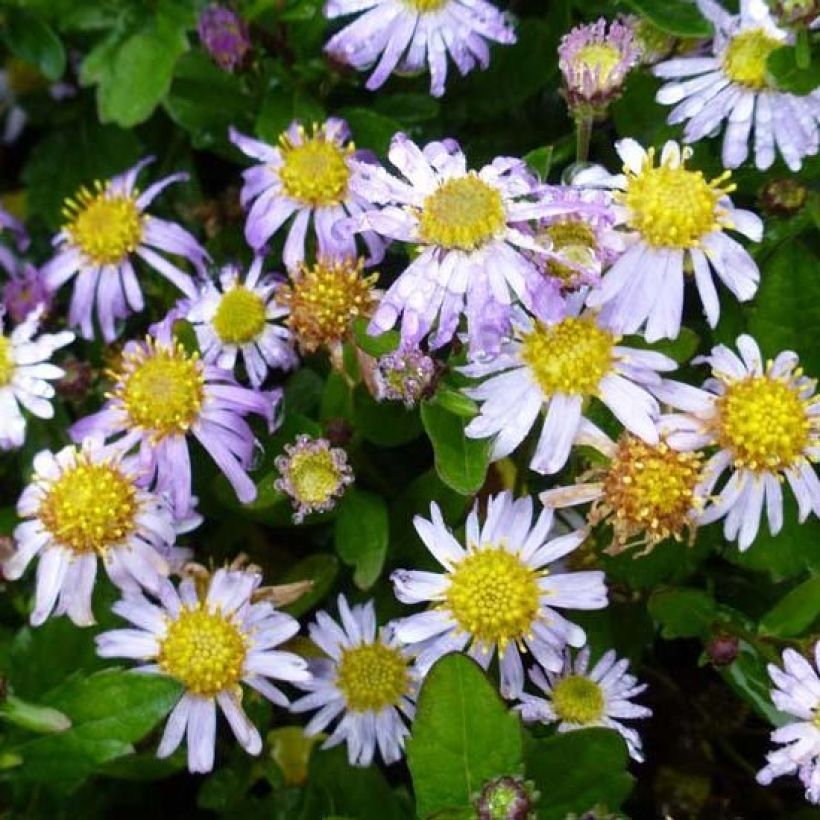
point(241, 317)
point(211, 643)
point(498, 591)
point(83, 505)
point(367, 680)
point(765, 420)
point(797, 695)
point(556, 367)
point(732, 85)
point(674, 218)
point(579, 698)
point(25, 373)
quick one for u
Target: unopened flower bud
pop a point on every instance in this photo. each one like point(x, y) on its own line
point(506, 798)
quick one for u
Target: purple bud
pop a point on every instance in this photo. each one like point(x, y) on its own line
point(722, 649)
point(224, 34)
point(506, 798)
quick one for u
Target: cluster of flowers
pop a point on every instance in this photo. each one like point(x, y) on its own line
point(541, 282)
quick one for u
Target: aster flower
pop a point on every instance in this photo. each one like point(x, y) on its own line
point(765, 422)
point(106, 229)
point(499, 590)
point(81, 505)
point(211, 642)
point(578, 697)
point(796, 694)
point(306, 177)
point(646, 493)
point(224, 35)
point(25, 373)
point(674, 218)
point(366, 679)
point(472, 258)
point(161, 394)
point(24, 291)
point(241, 317)
point(404, 375)
point(313, 475)
point(732, 85)
point(557, 367)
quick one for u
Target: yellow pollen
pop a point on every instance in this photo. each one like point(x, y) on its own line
point(372, 677)
point(599, 59)
point(90, 507)
point(161, 388)
point(464, 213)
point(203, 649)
point(325, 299)
point(577, 699)
point(569, 357)
point(315, 171)
point(673, 207)
point(240, 316)
point(575, 240)
point(744, 60)
point(6, 361)
point(104, 225)
point(424, 6)
point(494, 596)
point(764, 423)
point(314, 476)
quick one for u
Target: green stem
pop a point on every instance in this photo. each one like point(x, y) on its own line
point(583, 135)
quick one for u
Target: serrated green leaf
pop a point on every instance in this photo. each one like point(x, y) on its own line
point(795, 612)
point(677, 17)
point(362, 534)
point(682, 612)
point(34, 41)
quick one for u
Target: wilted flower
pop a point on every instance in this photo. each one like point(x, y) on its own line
point(25, 290)
point(224, 34)
point(783, 196)
point(506, 798)
point(404, 375)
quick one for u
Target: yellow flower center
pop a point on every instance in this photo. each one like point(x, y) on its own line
point(90, 507)
point(744, 60)
point(569, 357)
point(577, 699)
point(372, 677)
point(462, 214)
point(600, 59)
point(315, 172)
point(240, 316)
point(161, 389)
point(314, 476)
point(424, 6)
point(673, 207)
point(575, 240)
point(105, 226)
point(763, 423)
point(204, 650)
point(325, 299)
point(494, 596)
point(6, 361)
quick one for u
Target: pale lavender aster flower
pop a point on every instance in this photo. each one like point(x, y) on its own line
point(161, 394)
point(105, 232)
point(211, 642)
point(224, 34)
point(305, 177)
point(498, 591)
point(404, 375)
point(732, 85)
point(578, 697)
point(366, 681)
point(24, 291)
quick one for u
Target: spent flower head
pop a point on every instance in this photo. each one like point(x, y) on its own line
point(225, 36)
point(404, 375)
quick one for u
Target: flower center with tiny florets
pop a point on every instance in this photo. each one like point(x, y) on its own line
point(577, 699)
point(424, 6)
point(204, 650)
point(673, 207)
point(315, 171)
point(372, 677)
point(599, 59)
point(763, 423)
point(90, 507)
point(569, 357)
point(6, 361)
point(494, 596)
point(161, 388)
point(105, 226)
point(314, 475)
point(744, 60)
point(575, 241)
point(240, 316)
point(462, 214)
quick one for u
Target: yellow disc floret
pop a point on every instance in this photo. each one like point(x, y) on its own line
point(161, 388)
point(372, 677)
point(90, 507)
point(314, 475)
point(314, 170)
point(462, 214)
point(577, 699)
point(6, 361)
point(203, 649)
point(599, 59)
point(494, 596)
point(570, 357)
point(424, 6)
point(671, 206)
point(744, 60)
point(104, 225)
point(240, 316)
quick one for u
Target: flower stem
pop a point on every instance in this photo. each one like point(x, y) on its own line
point(583, 135)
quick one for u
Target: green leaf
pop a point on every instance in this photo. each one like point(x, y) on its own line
point(455, 402)
point(795, 612)
point(578, 770)
point(362, 534)
point(540, 161)
point(682, 612)
point(681, 349)
point(322, 570)
point(462, 736)
point(375, 346)
point(370, 129)
point(384, 423)
point(747, 675)
point(461, 462)
point(785, 70)
point(678, 17)
point(34, 42)
point(34, 718)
